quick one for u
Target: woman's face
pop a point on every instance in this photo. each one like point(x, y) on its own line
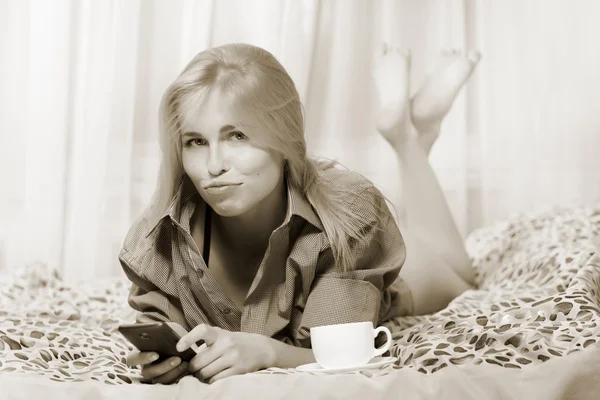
point(228, 168)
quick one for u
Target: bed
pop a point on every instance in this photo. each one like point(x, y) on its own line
point(531, 329)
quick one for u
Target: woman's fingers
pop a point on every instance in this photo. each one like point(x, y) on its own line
point(203, 332)
point(204, 356)
point(223, 374)
point(152, 371)
point(173, 375)
point(214, 368)
point(136, 357)
point(183, 375)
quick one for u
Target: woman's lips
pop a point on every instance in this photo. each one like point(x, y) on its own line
point(222, 188)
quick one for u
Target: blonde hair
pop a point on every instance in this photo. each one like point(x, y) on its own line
point(262, 88)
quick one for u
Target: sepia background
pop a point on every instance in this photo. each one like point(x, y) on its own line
point(80, 83)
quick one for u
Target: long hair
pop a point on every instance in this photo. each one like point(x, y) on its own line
point(261, 88)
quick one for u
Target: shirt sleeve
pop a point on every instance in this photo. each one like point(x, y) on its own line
point(149, 301)
point(360, 294)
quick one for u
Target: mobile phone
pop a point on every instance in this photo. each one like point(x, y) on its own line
point(159, 337)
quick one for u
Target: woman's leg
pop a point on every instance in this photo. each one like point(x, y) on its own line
point(437, 267)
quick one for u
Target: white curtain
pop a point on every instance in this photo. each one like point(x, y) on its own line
point(534, 110)
point(80, 83)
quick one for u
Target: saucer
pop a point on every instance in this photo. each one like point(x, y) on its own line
point(372, 364)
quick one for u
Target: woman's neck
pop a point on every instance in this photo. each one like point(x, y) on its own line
point(251, 231)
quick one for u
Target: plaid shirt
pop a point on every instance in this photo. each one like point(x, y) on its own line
point(297, 286)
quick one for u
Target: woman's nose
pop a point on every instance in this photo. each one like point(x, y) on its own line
point(217, 163)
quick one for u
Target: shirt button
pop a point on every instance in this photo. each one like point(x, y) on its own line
point(226, 311)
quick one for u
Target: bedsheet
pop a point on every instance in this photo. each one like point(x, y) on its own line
point(538, 300)
point(576, 376)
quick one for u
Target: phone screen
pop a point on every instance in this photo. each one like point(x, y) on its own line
point(156, 336)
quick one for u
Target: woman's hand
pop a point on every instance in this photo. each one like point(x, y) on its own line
point(165, 372)
point(226, 353)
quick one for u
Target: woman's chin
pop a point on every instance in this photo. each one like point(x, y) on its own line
point(228, 210)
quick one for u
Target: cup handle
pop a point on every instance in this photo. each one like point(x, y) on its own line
point(380, 350)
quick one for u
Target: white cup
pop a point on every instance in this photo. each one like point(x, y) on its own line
point(347, 345)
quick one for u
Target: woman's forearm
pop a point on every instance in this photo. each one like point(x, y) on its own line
point(283, 355)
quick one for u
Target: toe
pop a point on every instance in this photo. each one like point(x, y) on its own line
point(381, 50)
point(385, 47)
point(474, 56)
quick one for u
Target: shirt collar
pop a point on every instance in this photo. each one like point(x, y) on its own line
point(297, 205)
point(185, 192)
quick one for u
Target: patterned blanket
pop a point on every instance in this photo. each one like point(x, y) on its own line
point(538, 298)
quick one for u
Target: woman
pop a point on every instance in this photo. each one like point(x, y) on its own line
point(248, 243)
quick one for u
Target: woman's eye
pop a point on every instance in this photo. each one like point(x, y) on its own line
point(238, 135)
point(195, 142)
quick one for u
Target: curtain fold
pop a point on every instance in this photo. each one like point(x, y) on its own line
point(34, 102)
point(81, 81)
point(101, 139)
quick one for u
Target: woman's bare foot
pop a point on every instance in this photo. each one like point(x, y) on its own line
point(391, 73)
point(436, 95)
